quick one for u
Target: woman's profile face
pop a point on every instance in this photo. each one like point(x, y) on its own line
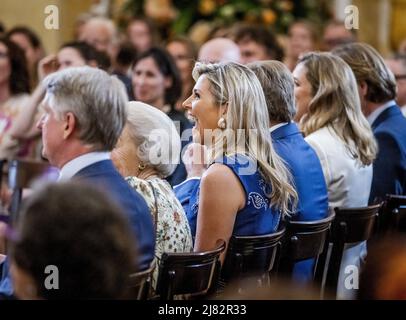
point(201, 107)
point(149, 84)
point(5, 67)
point(303, 91)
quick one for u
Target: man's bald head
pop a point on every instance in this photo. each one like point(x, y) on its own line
point(100, 33)
point(219, 50)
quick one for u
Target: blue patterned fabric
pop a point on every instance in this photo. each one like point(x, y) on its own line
point(257, 217)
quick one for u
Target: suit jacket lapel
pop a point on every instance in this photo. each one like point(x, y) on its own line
point(389, 112)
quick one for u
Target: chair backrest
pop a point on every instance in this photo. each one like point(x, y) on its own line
point(188, 273)
point(21, 174)
point(351, 225)
point(305, 240)
point(390, 214)
point(249, 256)
point(140, 283)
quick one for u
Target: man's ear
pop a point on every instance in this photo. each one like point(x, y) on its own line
point(363, 89)
point(70, 125)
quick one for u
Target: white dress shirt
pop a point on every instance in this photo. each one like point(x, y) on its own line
point(277, 126)
point(75, 165)
point(403, 109)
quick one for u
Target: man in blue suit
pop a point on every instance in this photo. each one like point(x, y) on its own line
point(85, 112)
point(299, 157)
point(377, 89)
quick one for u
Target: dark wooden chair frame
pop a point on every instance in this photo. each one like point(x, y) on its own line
point(193, 274)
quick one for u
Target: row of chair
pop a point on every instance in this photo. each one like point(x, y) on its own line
point(199, 274)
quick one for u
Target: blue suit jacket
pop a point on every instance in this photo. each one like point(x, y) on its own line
point(308, 178)
point(305, 167)
point(104, 175)
point(389, 175)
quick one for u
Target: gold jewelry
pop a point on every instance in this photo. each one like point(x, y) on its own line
point(141, 166)
point(221, 123)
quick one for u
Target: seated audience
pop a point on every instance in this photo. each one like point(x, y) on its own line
point(14, 93)
point(219, 50)
point(71, 54)
point(122, 66)
point(84, 247)
point(227, 101)
point(156, 81)
point(301, 160)
point(85, 113)
point(336, 34)
point(397, 64)
point(302, 38)
point(31, 44)
point(142, 33)
point(257, 43)
point(335, 127)
point(101, 33)
point(90, 132)
point(146, 153)
point(377, 91)
point(184, 52)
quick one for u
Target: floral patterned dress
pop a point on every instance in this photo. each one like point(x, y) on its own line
point(172, 227)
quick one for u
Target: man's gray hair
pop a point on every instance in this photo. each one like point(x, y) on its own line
point(97, 100)
point(155, 136)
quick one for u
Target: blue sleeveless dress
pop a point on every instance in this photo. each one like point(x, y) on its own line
point(257, 217)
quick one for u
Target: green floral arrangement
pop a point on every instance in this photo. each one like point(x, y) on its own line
point(278, 14)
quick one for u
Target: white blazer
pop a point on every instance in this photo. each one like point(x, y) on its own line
point(349, 184)
point(348, 180)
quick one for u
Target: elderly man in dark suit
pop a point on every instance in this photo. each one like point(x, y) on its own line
point(377, 89)
point(85, 112)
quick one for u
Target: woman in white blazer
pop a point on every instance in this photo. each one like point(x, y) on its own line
point(332, 121)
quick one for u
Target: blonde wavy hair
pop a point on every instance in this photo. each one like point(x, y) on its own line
point(238, 86)
point(369, 67)
point(336, 104)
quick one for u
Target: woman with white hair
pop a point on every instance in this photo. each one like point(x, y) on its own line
point(146, 153)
